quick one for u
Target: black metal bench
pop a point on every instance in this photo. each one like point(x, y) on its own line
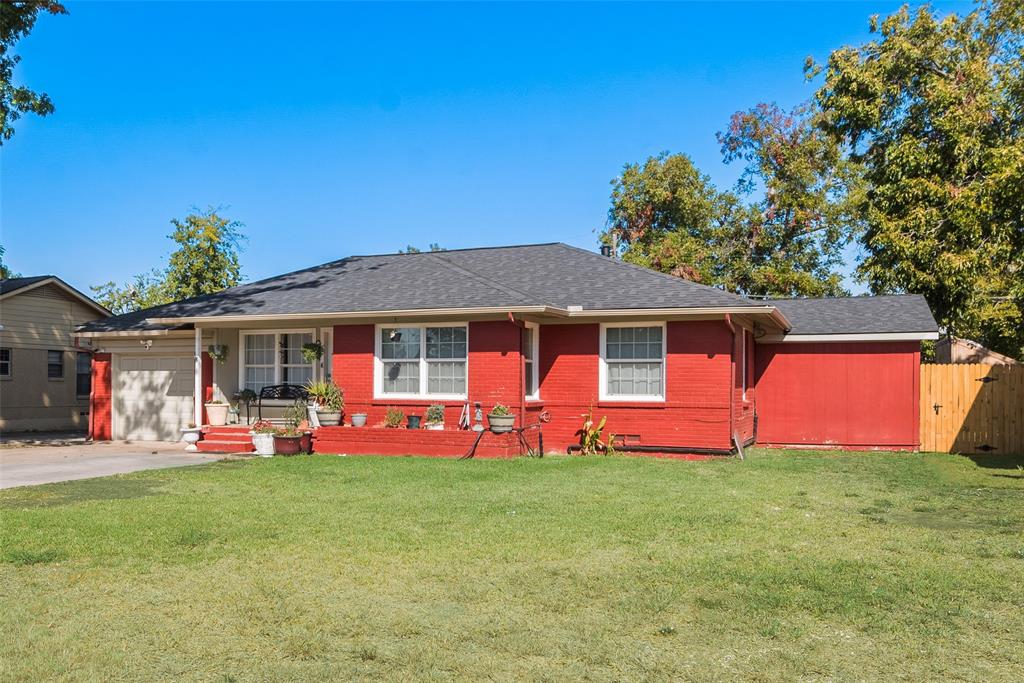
point(284, 392)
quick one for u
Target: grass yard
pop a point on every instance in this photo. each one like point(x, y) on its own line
point(811, 566)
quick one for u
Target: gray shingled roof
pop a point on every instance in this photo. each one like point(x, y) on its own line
point(555, 275)
point(12, 284)
point(858, 314)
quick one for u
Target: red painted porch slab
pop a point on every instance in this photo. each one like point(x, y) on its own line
point(380, 441)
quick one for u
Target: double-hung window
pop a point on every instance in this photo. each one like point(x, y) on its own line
point(421, 361)
point(55, 364)
point(633, 362)
point(83, 373)
point(5, 363)
point(274, 358)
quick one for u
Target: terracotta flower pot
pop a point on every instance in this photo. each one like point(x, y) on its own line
point(288, 445)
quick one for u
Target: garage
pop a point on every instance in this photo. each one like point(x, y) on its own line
point(152, 396)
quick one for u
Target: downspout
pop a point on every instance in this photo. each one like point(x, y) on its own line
point(522, 369)
point(732, 379)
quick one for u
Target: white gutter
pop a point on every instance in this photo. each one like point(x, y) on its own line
point(877, 336)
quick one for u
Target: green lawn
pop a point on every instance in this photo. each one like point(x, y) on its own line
point(787, 566)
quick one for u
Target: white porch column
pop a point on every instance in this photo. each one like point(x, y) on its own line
point(198, 386)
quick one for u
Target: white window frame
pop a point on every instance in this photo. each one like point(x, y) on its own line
point(603, 394)
point(277, 352)
point(535, 363)
point(378, 363)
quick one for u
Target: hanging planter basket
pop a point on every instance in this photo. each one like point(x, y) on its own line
point(312, 352)
point(218, 352)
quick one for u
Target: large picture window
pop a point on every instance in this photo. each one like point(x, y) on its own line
point(275, 358)
point(421, 360)
point(633, 362)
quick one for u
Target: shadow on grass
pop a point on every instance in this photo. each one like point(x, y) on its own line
point(996, 461)
point(81, 491)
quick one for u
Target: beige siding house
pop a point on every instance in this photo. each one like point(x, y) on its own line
point(957, 350)
point(44, 368)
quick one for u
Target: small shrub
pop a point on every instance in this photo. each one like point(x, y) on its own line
point(327, 395)
point(393, 418)
point(434, 414)
point(590, 434)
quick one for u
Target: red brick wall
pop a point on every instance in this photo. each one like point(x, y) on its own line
point(855, 394)
point(695, 414)
point(100, 415)
point(495, 371)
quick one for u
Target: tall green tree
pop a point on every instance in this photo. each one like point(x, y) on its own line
point(777, 234)
point(142, 291)
point(206, 261)
point(16, 21)
point(933, 110)
point(5, 271)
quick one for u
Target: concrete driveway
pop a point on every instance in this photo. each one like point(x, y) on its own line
point(29, 465)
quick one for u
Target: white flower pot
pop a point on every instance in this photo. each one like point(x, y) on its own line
point(435, 426)
point(501, 424)
point(359, 420)
point(191, 437)
point(217, 414)
point(264, 444)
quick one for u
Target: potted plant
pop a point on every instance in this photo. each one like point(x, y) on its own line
point(312, 352)
point(296, 417)
point(190, 435)
point(435, 417)
point(358, 419)
point(288, 441)
point(329, 401)
point(263, 438)
point(501, 419)
point(393, 418)
point(218, 352)
point(217, 413)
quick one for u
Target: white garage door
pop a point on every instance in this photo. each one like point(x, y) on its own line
point(152, 396)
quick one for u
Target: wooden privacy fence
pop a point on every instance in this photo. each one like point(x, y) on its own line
point(972, 408)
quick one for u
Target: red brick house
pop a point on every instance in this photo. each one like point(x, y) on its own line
point(674, 365)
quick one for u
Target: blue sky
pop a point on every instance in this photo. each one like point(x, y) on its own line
point(337, 129)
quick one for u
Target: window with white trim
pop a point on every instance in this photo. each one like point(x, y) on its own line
point(421, 360)
point(531, 345)
point(5, 363)
point(274, 358)
point(743, 354)
point(633, 362)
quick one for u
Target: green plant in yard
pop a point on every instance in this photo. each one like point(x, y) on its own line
point(500, 410)
point(296, 413)
point(327, 395)
point(590, 434)
point(434, 414)
point(393, 418)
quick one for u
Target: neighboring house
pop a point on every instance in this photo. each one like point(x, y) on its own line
point(673, 364)
point(957, 350)
point(45, 370)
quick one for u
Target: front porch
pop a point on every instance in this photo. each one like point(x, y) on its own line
point(369, 440)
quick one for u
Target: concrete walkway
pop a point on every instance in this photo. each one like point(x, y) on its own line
point(29, 465)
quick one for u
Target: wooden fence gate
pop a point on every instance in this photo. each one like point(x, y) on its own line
point(972, 408)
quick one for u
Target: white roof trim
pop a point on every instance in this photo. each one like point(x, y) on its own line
point(68, 289)
point(874, 336)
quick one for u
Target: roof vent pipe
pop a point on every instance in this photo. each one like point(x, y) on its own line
point(606, 250)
